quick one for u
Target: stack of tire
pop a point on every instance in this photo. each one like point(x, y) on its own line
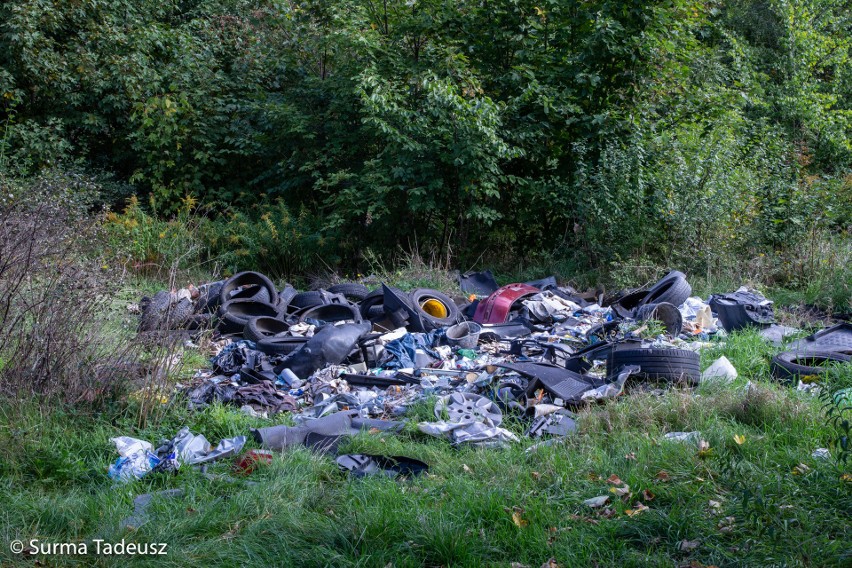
point(657, 365)
point(671, 289)
point(248, 304)
point(245, 297)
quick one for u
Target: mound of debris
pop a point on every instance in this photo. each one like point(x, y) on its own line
point(348, 357)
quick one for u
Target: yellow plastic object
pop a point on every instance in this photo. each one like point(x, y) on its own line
point(434, 308)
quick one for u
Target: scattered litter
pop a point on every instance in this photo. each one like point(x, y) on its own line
point(821, 454)
point(743, 308)
point(251, 460)
point(776, 334)
point(597, 502)
point(835, 339)
point(319, 431)
point(137, 458)
point(721, 369)
point(688, 545)
point(360, 465)
point(140, 507)
point(683, 436)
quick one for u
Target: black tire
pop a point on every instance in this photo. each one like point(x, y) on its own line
point(254, 292)
point(234, 315)
point(280, 345)
point(330, 313)
point(672, 289)
point(209, 297)
point(248, 278)
point(351, 291)
point(422, 295)
point(305, 300)
point(264, 326)
point(626, 305)
point(663, 312)
point(667, 365)
point(371, 305)
point(789, 367)
point(285, 296)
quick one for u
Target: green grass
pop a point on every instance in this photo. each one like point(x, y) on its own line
point(303, 512)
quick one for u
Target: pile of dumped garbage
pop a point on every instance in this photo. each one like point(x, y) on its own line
point(348, 358)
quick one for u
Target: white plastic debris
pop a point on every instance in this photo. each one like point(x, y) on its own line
point(136, 459)
point(683, 436)
point(821, 454)
point(721, 369)
point(597, 502)
point(249, 411)
point(776, 334)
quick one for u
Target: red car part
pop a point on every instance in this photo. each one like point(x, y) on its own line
point(496, 307)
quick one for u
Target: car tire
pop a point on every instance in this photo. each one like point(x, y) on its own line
point(672, 289)
point(434, 307)
point(666, 365)
point(263, 327)
point(285, 296)
point(234, 315)
point(789, 366)
point(264, 292)
point(350, 290)
point(305, 300)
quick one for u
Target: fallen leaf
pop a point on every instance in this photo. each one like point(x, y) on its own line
point(647, 495)
point(607, 513)
point(687, 545)
point(553, 530)
point(801, 469)
point(551, 563)
point(715, 505)
point(466, 468)
point(596, 502)
point(630, 456)
point(739, 439)
point(584, 519)
point(620, 491)
point(535, 475)
point(636, 510)
point(517, 517)
point(663, 476)
point(847, 477)
point(614, 479)
point(726, 525)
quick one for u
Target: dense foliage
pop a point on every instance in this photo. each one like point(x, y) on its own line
point(680, 131)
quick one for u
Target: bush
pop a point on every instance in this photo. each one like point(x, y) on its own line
point(55, 295)
point(269, 239)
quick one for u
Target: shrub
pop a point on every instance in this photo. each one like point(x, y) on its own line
point(55, 294)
